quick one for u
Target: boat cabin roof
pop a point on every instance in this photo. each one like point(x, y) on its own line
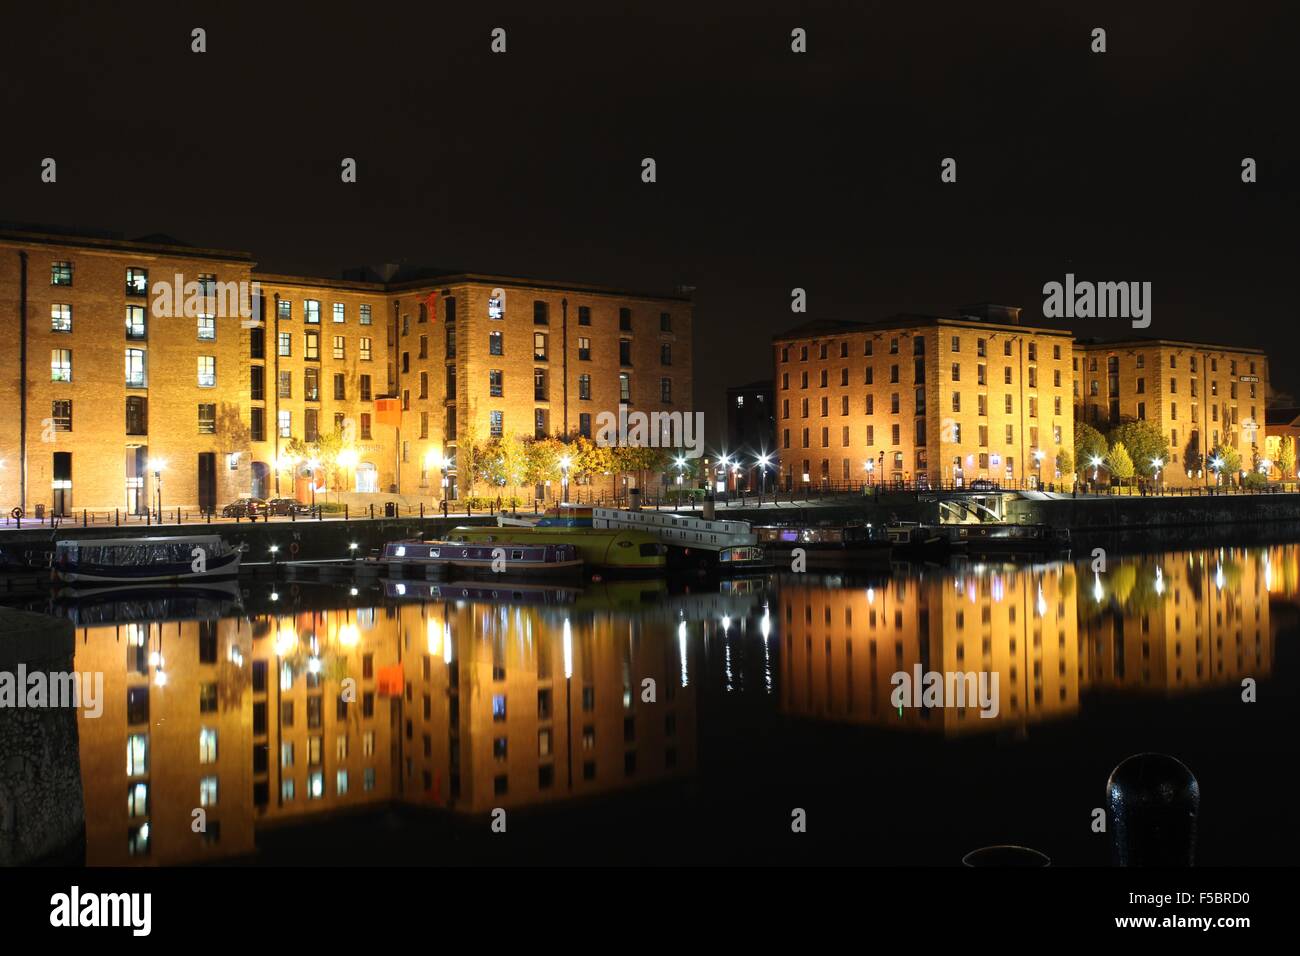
point(204, 539)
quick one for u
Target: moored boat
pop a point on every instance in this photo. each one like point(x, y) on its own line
point(1030, 539)
point(827, 547)
point(911, 541)
point(509, 558)
point(608, 549)
point(139, 561)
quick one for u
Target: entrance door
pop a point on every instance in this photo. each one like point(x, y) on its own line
point(367, 477)
point(207, 481)
point(62, 483)
point(261, 479)
point(136, 459)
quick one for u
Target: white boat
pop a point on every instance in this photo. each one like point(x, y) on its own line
point(136, 561)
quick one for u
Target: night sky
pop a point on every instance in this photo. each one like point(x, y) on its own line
point(775, 170)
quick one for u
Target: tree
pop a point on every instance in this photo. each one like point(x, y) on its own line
point(1286, 455)
point(1145, 444)
point(542, 460)
point(1064, 462)
point(1118, 462)
point(1229, 460)
point(1088, 444)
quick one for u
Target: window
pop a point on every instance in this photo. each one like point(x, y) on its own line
point(339, 347)
point(340, 387)
point(495, 383)
point(207, 419)
point(584, 349)
point(666, 354)
point(61, 413)
point(311, 384)
point(311, 312)
point(497, 307)
point(207, 745)
point(539, 346)
point(61, 318)
point(584, 387)
point(494, 344)
point(541, 315)
point(208, 792)
point(257, 424)
point(496, 424)
point(137, 415)
point(310, 432)
point(137, 755)
point(624, 388)
point(207, 371)
point(666, 390)
point(424, 346)
point(584, 315)
point(666, 322)
point(286, 424)
point(135, 372)
point(207, 327)
point(137, 800)
point(364, 383)
point(283, 309)
point(365, 315)
point(284, 385)
point(61, 365)
point(61, 273)
point(625, 320)
point(285, 344)
point(584, 424)
point(257, 343)
point(424, 384)
point(311, 346)
point(624, 351)
point(539, 423)
point(135, 322)
point(364, 349)
point(365, 426)
point(340, 313)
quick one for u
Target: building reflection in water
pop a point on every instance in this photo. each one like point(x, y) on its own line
point(1162, 625)
point(464, 702)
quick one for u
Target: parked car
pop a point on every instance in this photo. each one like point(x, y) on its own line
point(244, 508)
point(286, 506)
point(983, 484)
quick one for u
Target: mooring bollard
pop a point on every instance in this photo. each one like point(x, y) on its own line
point(1006, 855)
point(1153, 801)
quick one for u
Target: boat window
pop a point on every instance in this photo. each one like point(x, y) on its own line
point(516, 555)
point(435, 552)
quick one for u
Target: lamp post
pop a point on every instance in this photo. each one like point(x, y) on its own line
point(763, 461)
point(312, 465)
point(565, 463)
point(1156, 465)
point(1216, 463)
point(1038, 463)
point(156, 465)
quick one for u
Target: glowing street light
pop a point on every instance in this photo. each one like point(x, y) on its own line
point(157, 466)
point(565, 464)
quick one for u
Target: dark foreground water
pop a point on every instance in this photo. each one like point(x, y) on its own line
point(649, 722)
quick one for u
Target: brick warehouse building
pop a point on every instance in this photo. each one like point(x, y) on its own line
point(1199, 395)
point(201, 404)
point(924, 398)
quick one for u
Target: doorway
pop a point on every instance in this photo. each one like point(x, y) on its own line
point(62, 483)
point(137, 458)
point(207, 482)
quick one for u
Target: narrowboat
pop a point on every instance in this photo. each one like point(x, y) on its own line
point(534, 559)
point(182, 559)
point(505, 593)
point(911, 541)
point(607, 549)
point(828, 547)
point(711, 544)
point(1027, 539)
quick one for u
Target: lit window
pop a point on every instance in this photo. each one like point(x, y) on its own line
point(61, 365)
point(135, 371)
point(311, 312)
point(61, 273)
point(207, 327)
point(340, 313)
point(207, 371)
point(137, 281)
point(135, 322)
point(137, 755)
point(61, 318)
point(208, 792)
point(207, 745)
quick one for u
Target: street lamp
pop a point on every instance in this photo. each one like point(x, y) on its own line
point(156, 465)
point(1216, 463)
point(1096, 463)
point(1156, 465)
point(312, 465)
point(565, 463)
point(763, 461)
point(1038, 462)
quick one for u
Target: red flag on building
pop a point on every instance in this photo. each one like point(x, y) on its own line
point(388, 411)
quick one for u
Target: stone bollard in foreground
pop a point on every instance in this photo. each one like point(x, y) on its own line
point(1006, 856)
point(1153, 801)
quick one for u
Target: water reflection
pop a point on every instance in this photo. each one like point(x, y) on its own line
point(263, 712)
